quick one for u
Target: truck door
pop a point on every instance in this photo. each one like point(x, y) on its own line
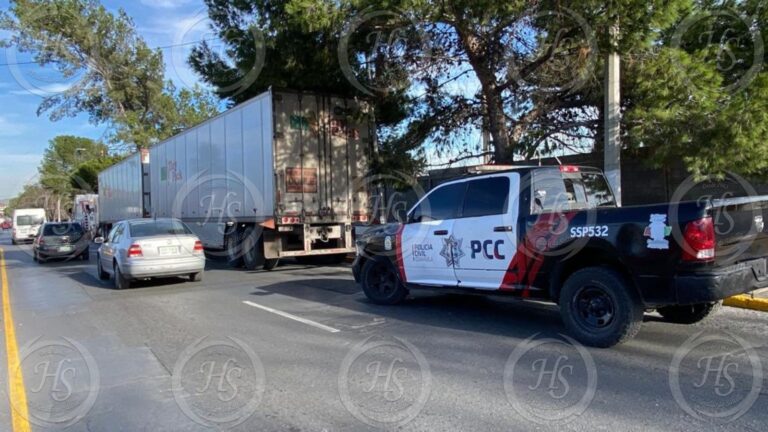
point(486, 227)
point(428, 247)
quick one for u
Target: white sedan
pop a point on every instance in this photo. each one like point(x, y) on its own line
point(147, 248)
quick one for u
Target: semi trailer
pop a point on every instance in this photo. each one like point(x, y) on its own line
point(124, 191)
point(281, 175)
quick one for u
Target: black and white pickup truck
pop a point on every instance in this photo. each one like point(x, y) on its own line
point(556, 234)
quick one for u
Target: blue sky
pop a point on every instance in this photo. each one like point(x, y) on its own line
point(24, 136)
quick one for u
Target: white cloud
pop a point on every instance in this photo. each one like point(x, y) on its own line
point(165, 4)
point(9, 128)
point(43, 90)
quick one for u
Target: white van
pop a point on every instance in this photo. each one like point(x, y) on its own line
point(26, 224)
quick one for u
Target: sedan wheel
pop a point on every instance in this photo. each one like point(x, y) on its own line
point(121, 282)
point(100, 270)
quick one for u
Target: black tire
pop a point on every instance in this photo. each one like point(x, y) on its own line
point(689, 314)
point(86, 255)
point(100, 271)
point(600, 308)
point(271, 264)
point(196, 277)
point(14, 242)
point(121, 282)
point(34, 256)
point(253, 255)
point(381, 284)
point(233, 247)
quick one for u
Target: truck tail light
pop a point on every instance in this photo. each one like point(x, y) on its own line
point(699, 240)
point(135, 251)
point(360, 218)
point(198, 247)
point(290, 220)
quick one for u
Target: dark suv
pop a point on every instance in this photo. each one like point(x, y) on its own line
point(61, 240)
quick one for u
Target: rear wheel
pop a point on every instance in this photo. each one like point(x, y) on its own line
point(14, 242)
point(271, 264)
point(381, 284)
point(253, 255)
point(121, 282)
point(196, 277)
point(100, 270)
point(34, 256)
point(599, 307)
point(233, 245)
point(689, 314)
point(86, 255)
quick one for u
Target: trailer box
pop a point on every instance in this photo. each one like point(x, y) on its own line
point(124, 191)
point(283, 174)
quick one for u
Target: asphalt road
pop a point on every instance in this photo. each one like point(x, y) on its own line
point(300, 348)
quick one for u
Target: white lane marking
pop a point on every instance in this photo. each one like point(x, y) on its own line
point(293, 317)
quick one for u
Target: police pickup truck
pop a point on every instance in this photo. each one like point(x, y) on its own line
point(556, 234)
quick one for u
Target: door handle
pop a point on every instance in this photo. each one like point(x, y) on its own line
point(503, 229)
point(441, 232)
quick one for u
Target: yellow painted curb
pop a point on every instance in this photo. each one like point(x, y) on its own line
point(747, 302)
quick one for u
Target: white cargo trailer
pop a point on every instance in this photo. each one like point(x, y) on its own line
point(124, 191)
point(281, 175)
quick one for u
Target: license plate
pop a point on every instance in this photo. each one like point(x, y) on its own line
point(168, 250)
point(65, 249)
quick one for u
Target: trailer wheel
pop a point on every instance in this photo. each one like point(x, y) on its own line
point(252, 247)
point(270, 264)
point(233, 245)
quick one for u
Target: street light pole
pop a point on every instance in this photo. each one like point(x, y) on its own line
point(612, 116)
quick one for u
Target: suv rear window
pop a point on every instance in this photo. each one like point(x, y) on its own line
point(555, 191)
point(62, 229)
point(158, 228)
point(29, 220)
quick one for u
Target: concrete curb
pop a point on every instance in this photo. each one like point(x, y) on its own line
point(747, 302)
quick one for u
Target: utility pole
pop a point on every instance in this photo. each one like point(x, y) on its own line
point(612, 116)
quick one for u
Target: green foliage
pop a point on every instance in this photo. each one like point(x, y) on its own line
point(85, 178)
point(120, 78)
point(63, 156)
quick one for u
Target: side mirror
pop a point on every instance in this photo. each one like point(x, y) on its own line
point(98, 240)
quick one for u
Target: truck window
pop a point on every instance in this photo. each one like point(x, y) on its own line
point(440, 204)
point(486, 197)
point(555, 191)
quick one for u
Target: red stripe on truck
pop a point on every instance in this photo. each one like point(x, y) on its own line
point(399, 250)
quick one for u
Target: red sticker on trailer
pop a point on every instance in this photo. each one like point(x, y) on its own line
point(301, 180)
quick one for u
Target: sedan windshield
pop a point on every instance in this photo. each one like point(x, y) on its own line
point(158, 228)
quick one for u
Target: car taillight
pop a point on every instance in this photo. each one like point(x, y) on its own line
point(134, 251)
point(569, 169)
point(198, 247)
point(41, 242)
point(699, 240)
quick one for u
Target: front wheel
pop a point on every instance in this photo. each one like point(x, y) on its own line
point(196, 277)
point(599, 307)
point(100, 270)
point(690, 314)
point(381, 284)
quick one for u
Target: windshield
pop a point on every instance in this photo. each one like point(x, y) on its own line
point(62, 229)
point(158, 228)
point(28, 220)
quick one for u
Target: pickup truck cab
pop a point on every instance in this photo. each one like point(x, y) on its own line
point(556, 234)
